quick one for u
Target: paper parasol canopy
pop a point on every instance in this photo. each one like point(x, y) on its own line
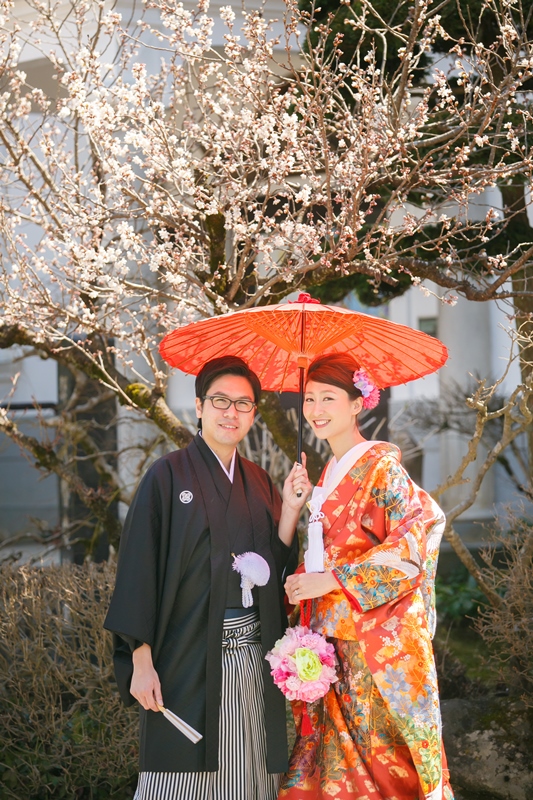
point(275, 341)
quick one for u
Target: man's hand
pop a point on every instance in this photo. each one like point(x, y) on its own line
point(145, 684)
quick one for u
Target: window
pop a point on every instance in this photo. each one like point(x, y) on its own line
point(428, 325)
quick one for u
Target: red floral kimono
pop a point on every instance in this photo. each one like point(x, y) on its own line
point(378, 730)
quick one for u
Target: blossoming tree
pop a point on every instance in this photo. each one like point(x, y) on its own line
point(136, 198)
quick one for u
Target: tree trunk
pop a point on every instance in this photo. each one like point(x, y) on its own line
point(515, 211)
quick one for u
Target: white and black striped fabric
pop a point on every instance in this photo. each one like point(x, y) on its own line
point(242, 773)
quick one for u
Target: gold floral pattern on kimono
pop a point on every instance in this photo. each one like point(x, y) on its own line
point(381, 538)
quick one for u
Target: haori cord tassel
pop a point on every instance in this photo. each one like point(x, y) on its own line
point(306, 728)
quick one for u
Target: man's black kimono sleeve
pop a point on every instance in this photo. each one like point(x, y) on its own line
point(133, 611)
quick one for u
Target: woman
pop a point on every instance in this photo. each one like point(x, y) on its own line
point(377, 733)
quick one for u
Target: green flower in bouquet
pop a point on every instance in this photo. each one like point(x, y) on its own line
point(308, 664)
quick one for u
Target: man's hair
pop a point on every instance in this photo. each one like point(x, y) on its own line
point(225, 365)
point(336, 369)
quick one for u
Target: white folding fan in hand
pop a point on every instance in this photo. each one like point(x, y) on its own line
point(181, 725)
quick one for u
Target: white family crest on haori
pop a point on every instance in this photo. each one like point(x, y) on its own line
point(254, 571)
point(186, 496)
point(335, 472)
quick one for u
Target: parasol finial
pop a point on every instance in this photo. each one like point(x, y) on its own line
point(305, 297)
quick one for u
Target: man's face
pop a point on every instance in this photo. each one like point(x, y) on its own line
point(225, 428)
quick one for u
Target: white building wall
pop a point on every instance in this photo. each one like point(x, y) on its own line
point(479, 344)
point(466, 330)
point(408, 309)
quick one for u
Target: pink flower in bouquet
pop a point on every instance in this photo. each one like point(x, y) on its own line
point(302, 664)
point(314, 690)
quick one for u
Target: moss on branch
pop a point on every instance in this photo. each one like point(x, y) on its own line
point(158, 411)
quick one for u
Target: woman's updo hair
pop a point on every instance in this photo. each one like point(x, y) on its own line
point(337, 369)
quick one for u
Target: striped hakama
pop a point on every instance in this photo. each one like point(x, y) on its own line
point(242, 773)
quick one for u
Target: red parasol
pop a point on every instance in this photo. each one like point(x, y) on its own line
point(279, 342)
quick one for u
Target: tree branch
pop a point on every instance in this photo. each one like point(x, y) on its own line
point(131, 394)
point(158, 411)
point(97, 501)
point(517, 419)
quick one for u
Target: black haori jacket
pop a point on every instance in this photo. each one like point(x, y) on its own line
point(173, 566)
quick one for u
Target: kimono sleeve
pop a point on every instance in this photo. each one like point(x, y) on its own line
point(393, 516)
point(132, 615)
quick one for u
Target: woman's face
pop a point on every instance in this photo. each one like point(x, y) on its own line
point(329, 410)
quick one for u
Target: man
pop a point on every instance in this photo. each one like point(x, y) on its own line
point(182, 636)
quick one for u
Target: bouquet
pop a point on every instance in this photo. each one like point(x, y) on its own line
point(303, 667)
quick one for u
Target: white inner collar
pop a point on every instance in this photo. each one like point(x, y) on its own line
point(230, 473)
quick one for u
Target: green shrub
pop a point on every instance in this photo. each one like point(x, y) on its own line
point(65, 732)
point(458, 596)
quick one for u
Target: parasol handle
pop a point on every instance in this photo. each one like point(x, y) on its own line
point(299, 441)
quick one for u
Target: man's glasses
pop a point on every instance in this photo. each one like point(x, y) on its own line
point(223, 403)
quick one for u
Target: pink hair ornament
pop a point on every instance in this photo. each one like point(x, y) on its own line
point(369, 391)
